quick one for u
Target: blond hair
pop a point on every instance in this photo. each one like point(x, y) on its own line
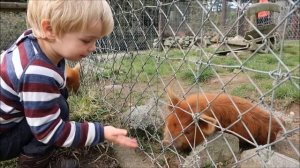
point(69, 15)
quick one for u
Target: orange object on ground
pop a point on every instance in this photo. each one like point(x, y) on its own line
point(263, 13)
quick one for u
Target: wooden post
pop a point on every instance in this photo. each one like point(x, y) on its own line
point(13, 6)
point(224, 13)
point(161, 25)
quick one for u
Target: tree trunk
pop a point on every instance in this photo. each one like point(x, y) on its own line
point(161, 25)
point(223, 13)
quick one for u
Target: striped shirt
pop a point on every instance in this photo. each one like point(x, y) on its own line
point(31, 89)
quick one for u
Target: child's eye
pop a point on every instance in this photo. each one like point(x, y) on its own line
point(86, 41)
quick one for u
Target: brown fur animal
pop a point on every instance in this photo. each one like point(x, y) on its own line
point(73, 78)
point(180, 130)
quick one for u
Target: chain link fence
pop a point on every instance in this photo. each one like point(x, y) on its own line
point(194, 46)
point(202, 46)
point(13, 23)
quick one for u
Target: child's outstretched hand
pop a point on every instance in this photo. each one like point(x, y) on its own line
point(119, 136)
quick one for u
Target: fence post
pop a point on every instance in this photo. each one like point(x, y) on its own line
point(161, 25)
point(13, 6)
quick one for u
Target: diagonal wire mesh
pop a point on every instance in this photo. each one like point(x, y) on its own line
point(224, 47)
point(230, 48)
point(195, 46)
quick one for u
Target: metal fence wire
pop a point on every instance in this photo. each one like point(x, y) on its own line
point(229, 48)
point(12, 24)
point(193, 46)
point(202, 46)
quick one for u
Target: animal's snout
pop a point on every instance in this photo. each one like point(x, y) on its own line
point(167, 139)
point(166, 142)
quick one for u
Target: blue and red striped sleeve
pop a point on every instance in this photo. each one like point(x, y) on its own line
point(31, 89)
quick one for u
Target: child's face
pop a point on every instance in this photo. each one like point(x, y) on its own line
point(76, 45)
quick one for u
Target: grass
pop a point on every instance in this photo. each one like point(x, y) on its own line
point(194, 66)
point(8, 164)
point(287, 91)
point(88, 105)
point(243, 90)
point(148, 65)
point(85, 107)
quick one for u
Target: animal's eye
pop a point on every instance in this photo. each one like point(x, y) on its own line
point(174, 125)
point(187, 132)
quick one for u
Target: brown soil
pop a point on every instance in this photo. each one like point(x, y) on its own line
point(105, 156)
point(102, 156)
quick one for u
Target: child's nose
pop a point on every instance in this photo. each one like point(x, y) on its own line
point(92, 47)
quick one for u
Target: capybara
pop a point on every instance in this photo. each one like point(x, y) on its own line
point(215, 111)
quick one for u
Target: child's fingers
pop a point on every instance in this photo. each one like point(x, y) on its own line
point(127, 142)
point(120, 132)
point(119, 136)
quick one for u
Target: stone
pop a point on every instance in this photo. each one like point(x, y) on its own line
point(217, 150)
point(266, 158)
point(144, 118)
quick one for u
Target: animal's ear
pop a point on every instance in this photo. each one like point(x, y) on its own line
point(68, 70)
point(77, 67)
point(67, 67)
point(174, 100)
point(208, 125)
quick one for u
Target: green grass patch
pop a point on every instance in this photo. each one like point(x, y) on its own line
point(87, 105)
point(192, 66)
point(287, 91)
point(262, 62)
point(291, 48)
point(8, 163)
point(146, 66)
point(244, 90)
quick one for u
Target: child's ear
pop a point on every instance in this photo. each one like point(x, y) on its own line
point(47, 29)
point(174, 100)
point(207, 126)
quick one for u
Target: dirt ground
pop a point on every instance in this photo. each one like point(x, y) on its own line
point(102, 156)
point(106, 156)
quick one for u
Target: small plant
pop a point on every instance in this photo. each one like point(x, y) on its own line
point(287, 91)
point(9, 163)
point(243, 90)
point(88, 106)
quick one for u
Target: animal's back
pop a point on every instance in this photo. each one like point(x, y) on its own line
point(232, 109)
